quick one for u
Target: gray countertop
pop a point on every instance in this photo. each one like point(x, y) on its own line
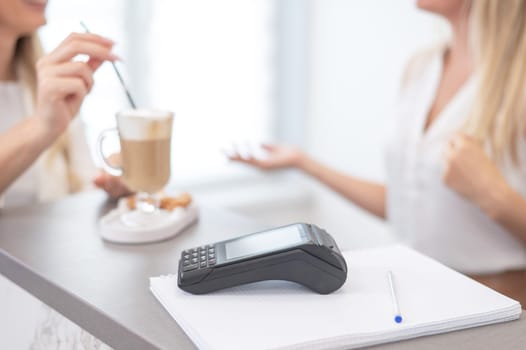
point(54, 252)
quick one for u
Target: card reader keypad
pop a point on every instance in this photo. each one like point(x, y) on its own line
point(199, 258)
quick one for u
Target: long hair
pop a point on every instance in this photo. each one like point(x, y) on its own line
point(498, 39)
point(27, 52)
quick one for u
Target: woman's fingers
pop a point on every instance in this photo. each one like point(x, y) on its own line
point(71, 86)
point(276, 157)
point(60, 87)
point(89, 37)
point(93, 50)
point(79, 70)
point(98, 181)
point(111, 185)
point(236, 156)
point(259, 163)
point(247, 156)
point(103, 181)
point(268, 147)
point(94, 63)
point(73, 47)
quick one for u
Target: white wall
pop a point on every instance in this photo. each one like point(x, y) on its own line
point(358, 51)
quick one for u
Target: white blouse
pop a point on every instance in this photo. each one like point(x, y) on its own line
point(23, 190)
point(48, 178)
point(422, 210)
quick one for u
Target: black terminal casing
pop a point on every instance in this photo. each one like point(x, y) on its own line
point(317, 264)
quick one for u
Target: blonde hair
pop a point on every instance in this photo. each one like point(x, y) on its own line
point(498, 39)
point(27, 53)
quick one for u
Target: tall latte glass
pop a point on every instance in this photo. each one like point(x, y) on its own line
point(145, 139)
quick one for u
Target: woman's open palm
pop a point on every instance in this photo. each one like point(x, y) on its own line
point(277, 157)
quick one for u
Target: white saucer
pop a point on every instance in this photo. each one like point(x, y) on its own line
point(112, 228)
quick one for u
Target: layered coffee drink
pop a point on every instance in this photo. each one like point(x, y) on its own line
point(145, 137)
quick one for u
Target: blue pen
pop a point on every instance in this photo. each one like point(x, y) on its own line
point(394, 300)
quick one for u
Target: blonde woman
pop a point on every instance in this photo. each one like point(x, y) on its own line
point(40, 159)
point(456, 164)
point(42, 153)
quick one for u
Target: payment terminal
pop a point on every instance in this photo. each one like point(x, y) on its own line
point(300, 253)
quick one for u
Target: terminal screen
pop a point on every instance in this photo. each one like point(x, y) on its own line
point(264, 242)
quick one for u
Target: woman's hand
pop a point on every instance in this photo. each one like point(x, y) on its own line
point(63, 83)
point(277, 157)
point(472, 174)
point(113, 185)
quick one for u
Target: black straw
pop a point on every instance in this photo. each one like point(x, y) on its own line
point(130, 99)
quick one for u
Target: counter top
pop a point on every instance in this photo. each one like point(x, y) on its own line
point(55, 253)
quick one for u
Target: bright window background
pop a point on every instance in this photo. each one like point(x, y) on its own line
point(337, 66)
point(211, 62)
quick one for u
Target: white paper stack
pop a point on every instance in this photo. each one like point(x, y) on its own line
point(281, 315)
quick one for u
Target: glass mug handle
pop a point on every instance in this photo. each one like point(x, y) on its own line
point(110, 169)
